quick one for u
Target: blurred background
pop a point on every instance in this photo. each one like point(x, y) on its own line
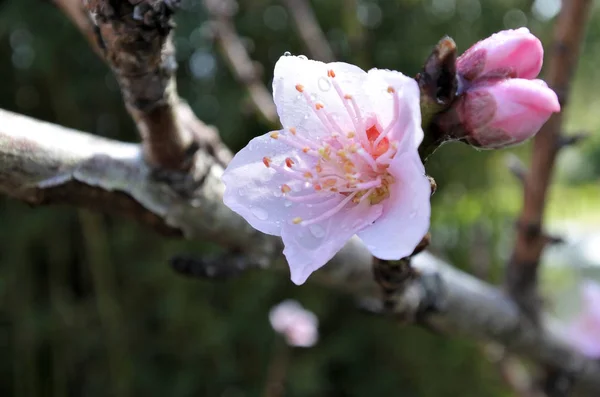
point(90, 307)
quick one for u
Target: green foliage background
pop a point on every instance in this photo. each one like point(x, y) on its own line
point(88, 303)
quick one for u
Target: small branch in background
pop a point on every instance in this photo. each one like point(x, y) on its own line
point(76, 12)
point(513, 372)
point(236, 55)
point(213, 267)
point(516, 167)
point(522, 270)
point(309, 30)
point(571, 140)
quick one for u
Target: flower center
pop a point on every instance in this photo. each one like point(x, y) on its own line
point(352, 165)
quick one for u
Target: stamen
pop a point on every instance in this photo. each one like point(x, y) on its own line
point(267, 161)
point(394, 120)
point(331, 212)
point(308, 197)
point(285, 188)
point(297, 220)
point(289, 162)
point(274, 134)
point(367, 158)
point(299, 87)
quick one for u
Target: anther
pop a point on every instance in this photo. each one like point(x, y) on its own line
point(274, 134)
point(297, 220)
point(289, 162)
point(351, 134)
point(331, 73)
point(348, 96)
point(267, 161)
point(391, 90)
point(299, 88)
point(285, 188)
point(319, 106)
point(308, 174)
point(292, 130)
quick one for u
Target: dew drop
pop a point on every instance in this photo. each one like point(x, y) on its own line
point(306, 117)
point(242, 191)
point(298, 97)
point(277, 193)
point(317, 231)
point(313, 97)
point(260, 213)
point(287, 203)
point(303, 57)
point(324, 84)
point(287, 54)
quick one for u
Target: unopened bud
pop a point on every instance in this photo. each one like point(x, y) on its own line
point(504, 112)
point(509, 53)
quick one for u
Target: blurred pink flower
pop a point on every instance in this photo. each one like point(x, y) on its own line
point(345, 163)
point(298, 325)
point(499, 104)
point(584, 331)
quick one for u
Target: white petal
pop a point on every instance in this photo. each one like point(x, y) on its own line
point(292, 106)
point(307, 248)
point(405, 218)
point(254, 191)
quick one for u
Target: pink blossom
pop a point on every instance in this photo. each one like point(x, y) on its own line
point(345, 163)
point(505, 112)
point(499, 103)
point(509, 53)
point(298, 325)
point(584, 331)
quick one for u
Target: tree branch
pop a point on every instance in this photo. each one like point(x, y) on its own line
point(523, 266)
point(42, 163)
point(309, 30)
point(234, 52)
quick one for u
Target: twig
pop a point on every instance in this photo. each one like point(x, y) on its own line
point(522, 271)
point(309, 30)
point(43, 163)
point(239, 61)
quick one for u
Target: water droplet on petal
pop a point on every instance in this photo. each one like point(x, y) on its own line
point(242, 191)
point(277, 193)
point(287, 203)
point(324, 84)
point(287, 54)
point(302, 57)
point(317, 231)
point(260, 213)
point(313, 97)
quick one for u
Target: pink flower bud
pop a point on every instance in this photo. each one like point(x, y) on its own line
point(502, 113)
point(509, 53)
